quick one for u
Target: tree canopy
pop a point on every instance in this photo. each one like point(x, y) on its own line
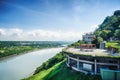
point(110, 27)
point(117, 12)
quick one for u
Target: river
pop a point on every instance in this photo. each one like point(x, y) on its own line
point(19, 67)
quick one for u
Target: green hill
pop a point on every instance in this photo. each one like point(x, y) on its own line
point(61, 72)
point(110, 28)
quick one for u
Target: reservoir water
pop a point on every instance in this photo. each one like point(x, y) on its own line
point(19, 67)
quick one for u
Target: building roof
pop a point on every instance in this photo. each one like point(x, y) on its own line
point(94, 53)
point(87, 45)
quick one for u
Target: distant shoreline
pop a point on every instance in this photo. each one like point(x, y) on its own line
point(15, 55)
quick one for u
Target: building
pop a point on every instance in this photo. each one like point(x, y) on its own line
point(88, 37)
point(90, 60)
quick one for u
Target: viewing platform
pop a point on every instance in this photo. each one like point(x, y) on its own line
point(91, 61)
point(92, 52)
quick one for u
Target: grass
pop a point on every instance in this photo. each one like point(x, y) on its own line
point(113, 44)
point(42, 75)
point(61, 72)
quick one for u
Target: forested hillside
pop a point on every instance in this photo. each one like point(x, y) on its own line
point(110, 28)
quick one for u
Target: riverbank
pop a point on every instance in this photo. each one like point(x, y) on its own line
point(8, 48)
point(18, 54)
point(22, 66)
point(59, 71)
point(15, 50)
point(49, 63)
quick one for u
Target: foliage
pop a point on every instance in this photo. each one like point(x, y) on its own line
point(117, 12)
point(109, 26)
point(8, 48)
point(100, 39)
point(14, 50)
point(76, 43)
point(96, 42)
point(114, 44)
point(61, 72)
point(52, 61)
point(117, 33)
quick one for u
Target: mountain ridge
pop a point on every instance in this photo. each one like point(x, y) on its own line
point(110, 28)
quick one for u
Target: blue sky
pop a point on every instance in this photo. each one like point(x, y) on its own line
point(52, 16)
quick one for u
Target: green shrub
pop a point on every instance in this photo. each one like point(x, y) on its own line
point(51, 62)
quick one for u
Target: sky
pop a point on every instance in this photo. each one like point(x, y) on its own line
point(52, 20)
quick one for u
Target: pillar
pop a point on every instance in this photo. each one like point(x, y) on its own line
point(95, 69)
point(77, 62)
point(118, 64)
point(68, 60)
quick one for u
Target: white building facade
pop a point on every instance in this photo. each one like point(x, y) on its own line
point(88, 37)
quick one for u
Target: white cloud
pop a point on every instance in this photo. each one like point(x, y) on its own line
point(38, 35)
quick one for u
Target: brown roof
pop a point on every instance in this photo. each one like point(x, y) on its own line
point(87, 45)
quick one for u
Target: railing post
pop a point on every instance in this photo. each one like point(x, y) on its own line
point(118, 64)
point(78, 63)
point(68, 59)
point(95, 66)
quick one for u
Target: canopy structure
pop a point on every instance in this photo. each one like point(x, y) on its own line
point(87, 46)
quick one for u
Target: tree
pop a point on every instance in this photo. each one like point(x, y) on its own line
point(105, 34)
point(117, 34)
point(107, 29)
point(96, 42)
point(117, 12)
point(100, 39)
